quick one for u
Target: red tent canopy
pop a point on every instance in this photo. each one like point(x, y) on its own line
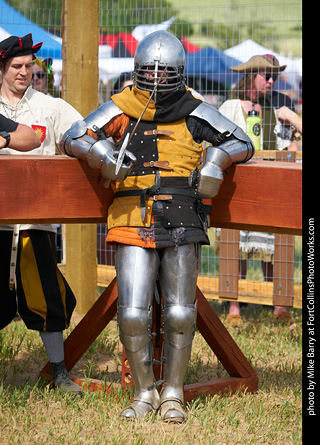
point(188, 46)
point(123, 44)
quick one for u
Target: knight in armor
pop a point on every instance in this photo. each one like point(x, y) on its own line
point(157, 217)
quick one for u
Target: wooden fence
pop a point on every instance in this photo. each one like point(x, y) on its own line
point(260, 195)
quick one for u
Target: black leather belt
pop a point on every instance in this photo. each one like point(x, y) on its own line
point(154, 191)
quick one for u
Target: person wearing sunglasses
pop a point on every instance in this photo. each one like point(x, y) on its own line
point(42, 76)
point(256, 89)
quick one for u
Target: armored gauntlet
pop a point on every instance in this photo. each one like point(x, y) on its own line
point(231, 146)
point(100, 154)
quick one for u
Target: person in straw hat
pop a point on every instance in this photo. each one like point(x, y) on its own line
point(256, 89)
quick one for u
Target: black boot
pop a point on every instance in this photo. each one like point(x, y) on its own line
point(61, 379)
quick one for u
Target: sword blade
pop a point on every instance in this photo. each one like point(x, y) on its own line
point(129, 136)
point(122, 153)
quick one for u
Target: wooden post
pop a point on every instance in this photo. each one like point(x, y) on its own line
point(229, 264)
point(81, 81)
point(283, 270)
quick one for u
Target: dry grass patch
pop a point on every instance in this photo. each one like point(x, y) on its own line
point(32, 413)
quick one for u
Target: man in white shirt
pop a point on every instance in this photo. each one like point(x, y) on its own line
point(44, 298)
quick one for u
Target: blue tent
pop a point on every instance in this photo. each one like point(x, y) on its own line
point(14, 23)
point(212, 64)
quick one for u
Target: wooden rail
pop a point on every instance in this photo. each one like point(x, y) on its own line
point(258, 195)
point(249, 291)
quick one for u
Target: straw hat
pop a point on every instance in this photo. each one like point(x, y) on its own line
point(266, 63)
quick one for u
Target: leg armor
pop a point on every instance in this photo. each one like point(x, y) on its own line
point(178, 278)
point(137, 271)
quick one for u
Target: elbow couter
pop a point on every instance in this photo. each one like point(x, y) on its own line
point(239, 151)
point(218, 156)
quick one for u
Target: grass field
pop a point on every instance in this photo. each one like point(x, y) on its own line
point(32, 413)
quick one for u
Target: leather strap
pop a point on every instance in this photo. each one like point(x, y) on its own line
point(13, 258)
point(159, 164)
point(163, 132)
point(162, 197)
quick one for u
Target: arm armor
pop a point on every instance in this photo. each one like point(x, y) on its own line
point(233, 147)
point(101, 153)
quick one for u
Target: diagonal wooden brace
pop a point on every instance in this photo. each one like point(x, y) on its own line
point(242, 375)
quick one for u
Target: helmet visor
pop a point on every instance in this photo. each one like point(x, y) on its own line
point(166, 78)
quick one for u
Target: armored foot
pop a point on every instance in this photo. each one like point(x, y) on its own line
point(171, 410)
point(137, 410)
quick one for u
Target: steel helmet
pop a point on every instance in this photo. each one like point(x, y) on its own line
point(157, 52)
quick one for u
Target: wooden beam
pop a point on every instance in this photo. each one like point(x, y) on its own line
point(81, 69)
point(242, 375)
point(250, 291)
point(258, 195)
point(81, 45)
point(51, 189)
point(220, 341)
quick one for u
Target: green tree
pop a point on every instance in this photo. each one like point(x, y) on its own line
point(115, 15)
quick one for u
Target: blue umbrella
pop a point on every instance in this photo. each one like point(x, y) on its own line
point(212, 64)
point(16, 24)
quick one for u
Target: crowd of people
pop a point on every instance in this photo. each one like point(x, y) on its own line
point(157, 219)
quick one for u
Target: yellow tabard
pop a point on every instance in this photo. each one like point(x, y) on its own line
point(183, 155)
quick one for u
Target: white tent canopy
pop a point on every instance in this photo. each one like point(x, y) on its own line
point(141, 31)
point(249, 48)
point(111, 67)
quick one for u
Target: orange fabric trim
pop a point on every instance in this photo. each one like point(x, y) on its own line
point(114, 128)
point(128, 235)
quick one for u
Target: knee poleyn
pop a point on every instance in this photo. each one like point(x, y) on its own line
point(134, 327)
point(179, 325)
